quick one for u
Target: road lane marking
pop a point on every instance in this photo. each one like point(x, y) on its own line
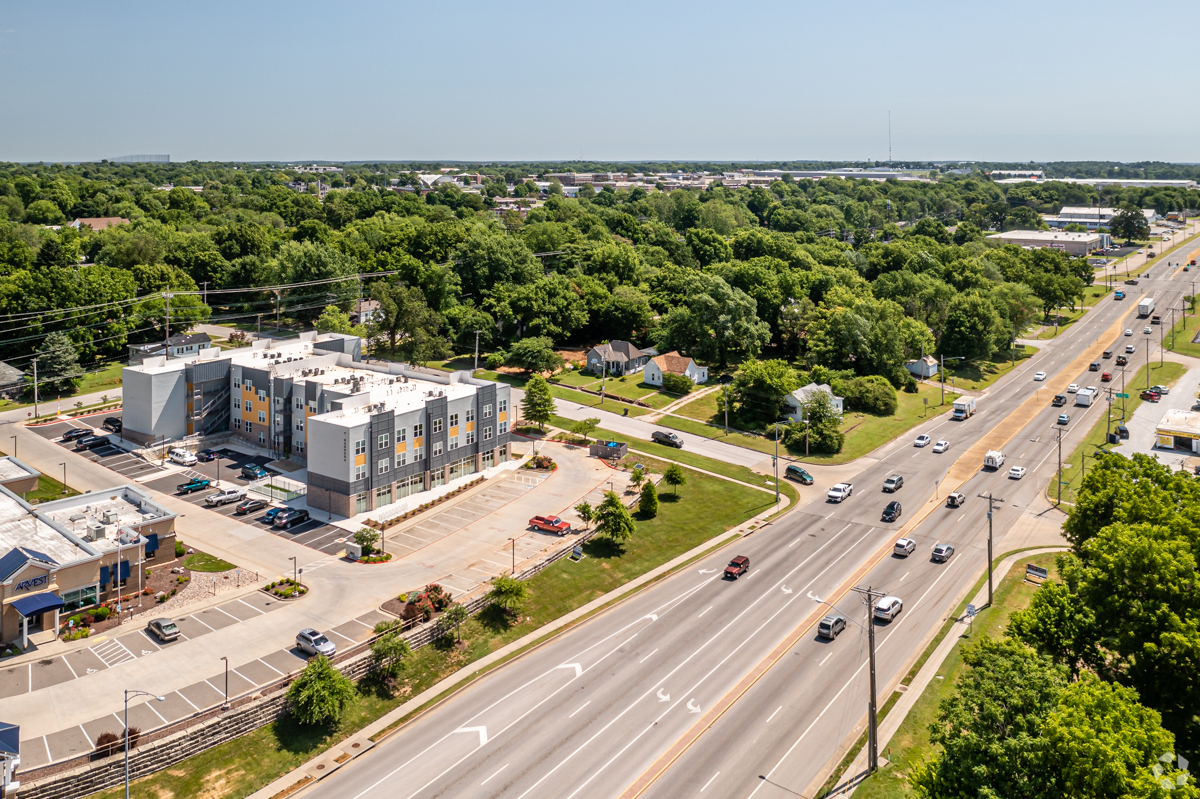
point(827, 657)
point(643, 660)
point(485, 782)
point(776, 713)
point(581, 707)
point(710, 779)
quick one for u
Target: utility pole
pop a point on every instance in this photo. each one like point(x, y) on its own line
point(603, 377)
point(205, 284)
point(477, 332)
point(992, 502)
point(1059, 431)
point(1147, 363)
point(776, 461)
point(872, 706)
point(35, 389)
point(167, 326)
point(1014, 345)
point(278, 302)
point(726, 386)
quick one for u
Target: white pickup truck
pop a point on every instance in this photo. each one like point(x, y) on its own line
point(225, 496)
point(840, 492)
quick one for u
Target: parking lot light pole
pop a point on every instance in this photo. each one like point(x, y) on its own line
point(129, 693)
point(64, 465)
point(14, 438)
point(295, 574)
point(226, 705)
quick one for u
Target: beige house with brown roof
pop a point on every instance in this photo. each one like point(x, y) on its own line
point(674, 363)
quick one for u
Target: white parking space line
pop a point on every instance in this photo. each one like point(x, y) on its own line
point(585, 704)
point(485, 782)
point(247, 604)
point(364, 624)
point(227, 613)
point(269, 666)
point(214, 629)
point(643, 660)
point(215, 688)
point(160, 715)
point(47, 745)
point(348, 638)
point(72, 668)
point(185, 699)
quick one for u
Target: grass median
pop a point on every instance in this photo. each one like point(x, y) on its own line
point(704, 508)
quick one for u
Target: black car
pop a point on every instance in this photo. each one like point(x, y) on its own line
point(794, 472)
point(91, 442)
point(207, 455)
point(1059, 400)
point(77, 433)
point(250, 505)
point(670, 439)
point(290, 518)
point(112, 424)
point(1131, 282)
point(892, 512)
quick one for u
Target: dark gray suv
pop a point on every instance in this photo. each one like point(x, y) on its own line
point(670, 439)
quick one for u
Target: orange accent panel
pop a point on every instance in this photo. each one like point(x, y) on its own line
point(360, 460)
point(470, 427)
point(503, 417)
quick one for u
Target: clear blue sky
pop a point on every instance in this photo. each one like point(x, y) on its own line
point(609, 80)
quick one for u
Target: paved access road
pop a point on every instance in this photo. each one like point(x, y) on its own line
point(597, 709)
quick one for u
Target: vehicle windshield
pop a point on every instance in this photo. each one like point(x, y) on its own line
point(169, 627)
point(319, 640)
point(734, 563)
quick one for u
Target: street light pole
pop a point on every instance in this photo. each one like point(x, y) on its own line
point(295, 573)
point(477, 332)
point(226, 705)
point(129, 693)
point(64, 465)
point(514, 556)
point(14, 438)
point(992, 502)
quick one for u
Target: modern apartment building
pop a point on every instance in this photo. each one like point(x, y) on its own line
point(369, 434)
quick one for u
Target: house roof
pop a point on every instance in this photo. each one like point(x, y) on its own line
point(99, 222)
point(17, 557)
point(9, 374)
point(673, 362)
point(180, 340)
point(803, 393)
point(618, 351)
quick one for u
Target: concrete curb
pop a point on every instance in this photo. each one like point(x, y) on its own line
point(303, 775)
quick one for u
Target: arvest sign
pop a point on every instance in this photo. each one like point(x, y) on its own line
point(33, 582)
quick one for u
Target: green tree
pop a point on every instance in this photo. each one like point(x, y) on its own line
point(585, 427)
point(636, 477)
point(760, 389)
point(408, 324)
point(535, 354)
point(44, 212)
point(674, 476)
point(972, 327)
point(708, 246)
point(454, 617)
point(389, 649)
point(715, 322)
point(824, 426)
point(367, 538)
point(585, 513)
point(613, 520)
point(538, 404)
point(305, 262)
point(320, 694)
point(508, 593)
point(648, 502)
point(335, 320)
point(57, 365)
point(1129, 224)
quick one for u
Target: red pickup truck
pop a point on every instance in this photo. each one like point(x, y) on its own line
point(550, 524)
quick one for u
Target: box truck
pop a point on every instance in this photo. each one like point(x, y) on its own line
point(994, 459)
point(1083, 397)
point(964, 408)
point(1146, 307)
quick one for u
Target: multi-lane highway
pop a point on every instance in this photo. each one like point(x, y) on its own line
point(704, 686)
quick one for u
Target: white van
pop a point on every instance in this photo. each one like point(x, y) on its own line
point(182, 457)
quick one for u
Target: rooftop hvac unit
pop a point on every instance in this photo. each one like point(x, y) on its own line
point(109, 516)
point(95, 530)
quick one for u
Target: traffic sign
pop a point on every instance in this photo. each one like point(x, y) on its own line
point(1122, 396)
point(970, 611)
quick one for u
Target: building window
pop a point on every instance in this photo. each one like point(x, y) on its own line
point(237, 424)
point(299, 404)
point(262, 417)
point(249, 406)
point(437, 448)
point(413, 485)
point(81, 598)
point(487, 434)
point(489, 459)
point(383, 496)
point(278, 420)
point(312, 407)
point(418, 454)
point(360, 447)
point(299, 425)
point(237, 403)
point(360, 473)
point(470, 415)
point(237, 382)
point(401, 435)
point(300, 445)
point(262, 394)
point(454, 420)
point(418, 430)
point(361, 502)
point(470, 437)
point(401, 459)
point(249, 426)
point(248, 385)
point(262, 438)
point(453, 442)
point(487, 411)
point(503, 428)
point(437, 426)
point(385, 465)
point(503, 406)
point(384, 440)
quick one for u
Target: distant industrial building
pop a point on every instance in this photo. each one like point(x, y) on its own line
point(1091, 218)
point(1072, 243)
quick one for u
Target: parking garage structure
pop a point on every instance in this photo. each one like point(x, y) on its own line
point(73, 554)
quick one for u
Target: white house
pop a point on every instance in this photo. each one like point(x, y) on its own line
point(923, 367)
point(674, 363)
point(798, 398)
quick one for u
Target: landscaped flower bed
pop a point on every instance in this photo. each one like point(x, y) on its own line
point(426, 506)
point(541, 462)
point(378, 557)
point(286, 588)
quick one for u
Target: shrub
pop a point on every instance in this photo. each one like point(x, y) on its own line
point(496, 359)
point(870, 394)
point(180, 549)
point(439, 596)
point(677, 384)
point(101, 613)
point(648, 504)
point(320, 694)
point(367, 539)
point(106, 744)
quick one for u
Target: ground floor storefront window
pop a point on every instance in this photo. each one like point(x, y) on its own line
point(362, 502)
point(489, 459)
point(80, 598)
point(383, 496)
point(409, 486)
point(462, 467)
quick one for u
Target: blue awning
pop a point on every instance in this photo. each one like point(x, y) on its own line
point(37, 604)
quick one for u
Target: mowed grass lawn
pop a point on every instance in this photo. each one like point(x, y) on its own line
point(706, 507)
point(978, 375)
point(1182, 334)
point(562, 392)
point(910, 746)
point(864, 432)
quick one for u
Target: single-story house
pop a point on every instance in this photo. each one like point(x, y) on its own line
point(674, 363)
point(98, 223)
point(926, 366)
point(178, 346)
point(618, 358)
point(12, 381)
point(800, 397)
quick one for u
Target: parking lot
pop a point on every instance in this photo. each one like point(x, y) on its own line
point(228, 464)
point(111, 457)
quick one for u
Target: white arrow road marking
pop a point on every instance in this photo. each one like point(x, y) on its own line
point(481, 730)
point(576, 666)
point(708, 571)
point(663, 697)
point(692, 706)
point(814, 597)
point(786, 590)
point(651, 616)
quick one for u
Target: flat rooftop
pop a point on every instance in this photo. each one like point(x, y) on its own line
point(1046, 235)
point(1180, 421)
point(391, 393)
point(126, 508)
point(19, 527)
point(12, 469)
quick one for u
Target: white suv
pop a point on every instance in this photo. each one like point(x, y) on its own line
point(888, 608)
point(182, 457)
point(905, 547)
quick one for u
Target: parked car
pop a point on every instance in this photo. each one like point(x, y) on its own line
point(839, 492)
point(942, 553)
point(1059, 400)
point(737, 567)
point(252, 471)
point(1122, 431)
point(892, 512)
point(250, 505)
point(193, 485)
point(225, 496)
point(207, 455)
point(269, 516)
point(831, 626)
point(1039, 376)
point(893, 483)
point(1064, 418)
point(112, 424)
point(955, 499)
point(550, 524)
point(888, 608)
point(941, 445)
point(90, 442)
point(163, 629)
point(182, 457)
point(904, 547)
point(670, 439)
point(290, 517)
point(1016, 472)
point(76, 433)
point(794, 472)
point(1164, 390)
point(922, 441)
point(312, 642)
point(1150, 395)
